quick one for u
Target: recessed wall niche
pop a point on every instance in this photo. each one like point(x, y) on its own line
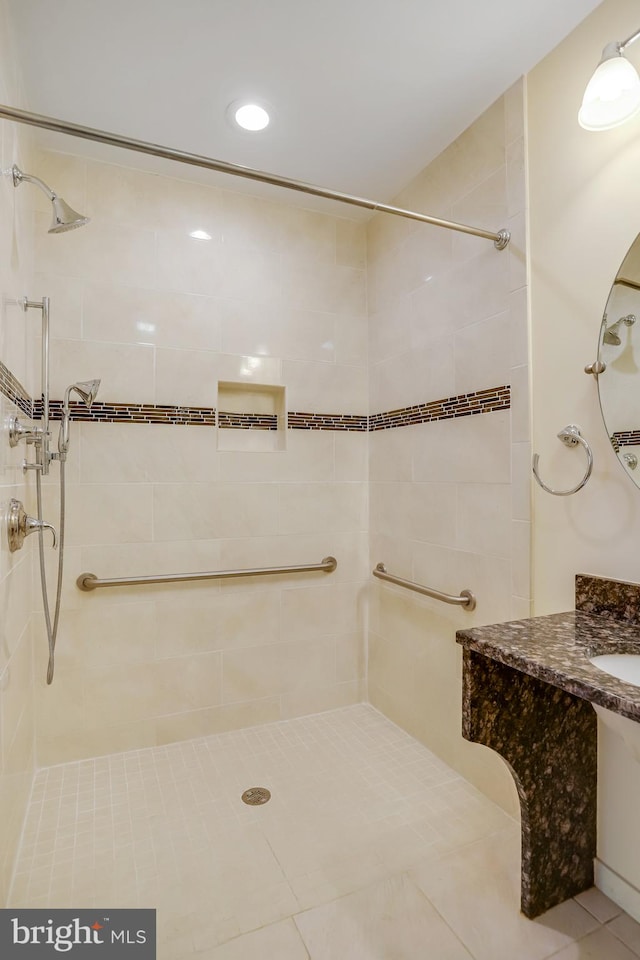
point(250, 416)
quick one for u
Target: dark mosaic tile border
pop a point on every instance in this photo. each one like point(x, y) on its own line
point(247, 421)
point(327, 421)
point(13, 390)
point(464, 405)
point(613, 599)
point(625, 438)
point(131, 413)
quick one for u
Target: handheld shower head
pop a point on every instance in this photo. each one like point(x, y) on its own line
point(86, 390)
point(64, 217)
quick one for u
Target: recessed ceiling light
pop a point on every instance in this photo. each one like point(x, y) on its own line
point(200, 235)
point(249, 116)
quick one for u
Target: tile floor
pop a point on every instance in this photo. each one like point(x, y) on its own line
point(370, 849)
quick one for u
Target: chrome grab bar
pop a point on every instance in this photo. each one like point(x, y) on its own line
point(89, 581)
point(466, 598)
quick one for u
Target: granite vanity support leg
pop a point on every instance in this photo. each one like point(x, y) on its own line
point(549, 740)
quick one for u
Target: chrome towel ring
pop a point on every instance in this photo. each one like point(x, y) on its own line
point(571, 437)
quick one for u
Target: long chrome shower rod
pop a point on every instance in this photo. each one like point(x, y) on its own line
point(500, 238)
point(466, 598)
point(89, 581)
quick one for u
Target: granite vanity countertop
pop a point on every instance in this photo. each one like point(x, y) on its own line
point(557, 648)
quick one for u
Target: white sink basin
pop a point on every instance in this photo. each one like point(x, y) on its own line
point(624, 666)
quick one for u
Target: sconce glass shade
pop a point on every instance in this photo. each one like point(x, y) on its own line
point(613, 93)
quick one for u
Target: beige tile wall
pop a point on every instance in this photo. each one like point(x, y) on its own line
point(18, 333)
point(450, 500)
point(277, 296)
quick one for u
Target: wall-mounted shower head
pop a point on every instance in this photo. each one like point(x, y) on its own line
point(64, 217)
point(612, 334)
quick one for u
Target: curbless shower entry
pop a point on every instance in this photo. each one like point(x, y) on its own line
point(370, 847)
point(358, 810)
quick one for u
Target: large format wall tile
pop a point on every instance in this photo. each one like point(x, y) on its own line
point(277, 296)
point(19, 346)
point(449, 503)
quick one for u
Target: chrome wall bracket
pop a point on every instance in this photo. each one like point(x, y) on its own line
point(571, 437)
point(503, 238)
point(596, 368)
point(19, 526)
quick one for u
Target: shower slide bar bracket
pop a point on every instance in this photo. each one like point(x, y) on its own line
point(571, 437)
point(40, 436)
point(89, 581)
point(500, 237)
point(466, 599)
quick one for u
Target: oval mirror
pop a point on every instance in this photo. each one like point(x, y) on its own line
point(619, 349)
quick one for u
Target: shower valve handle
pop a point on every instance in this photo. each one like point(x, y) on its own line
point(20, 525)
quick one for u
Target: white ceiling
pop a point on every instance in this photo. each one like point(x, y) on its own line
point(365, 92)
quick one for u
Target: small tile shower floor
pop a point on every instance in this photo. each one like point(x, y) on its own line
point(371, 848)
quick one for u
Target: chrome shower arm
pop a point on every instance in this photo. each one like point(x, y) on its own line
point(64, 217)
point(20, 177)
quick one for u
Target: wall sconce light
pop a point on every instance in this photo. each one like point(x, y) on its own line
point(613, 93)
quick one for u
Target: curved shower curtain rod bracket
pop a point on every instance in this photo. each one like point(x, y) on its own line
point(500, 237)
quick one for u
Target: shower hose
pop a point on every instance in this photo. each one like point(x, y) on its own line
point(52, 629)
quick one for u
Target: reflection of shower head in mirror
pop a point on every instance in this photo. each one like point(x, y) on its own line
point(612, 335)
point(619, 354)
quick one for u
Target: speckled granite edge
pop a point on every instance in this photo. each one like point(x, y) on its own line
point(613, 599)
point(557, 648)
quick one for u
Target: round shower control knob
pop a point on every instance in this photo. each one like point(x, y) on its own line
point(17, 433)
point(19, 526)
